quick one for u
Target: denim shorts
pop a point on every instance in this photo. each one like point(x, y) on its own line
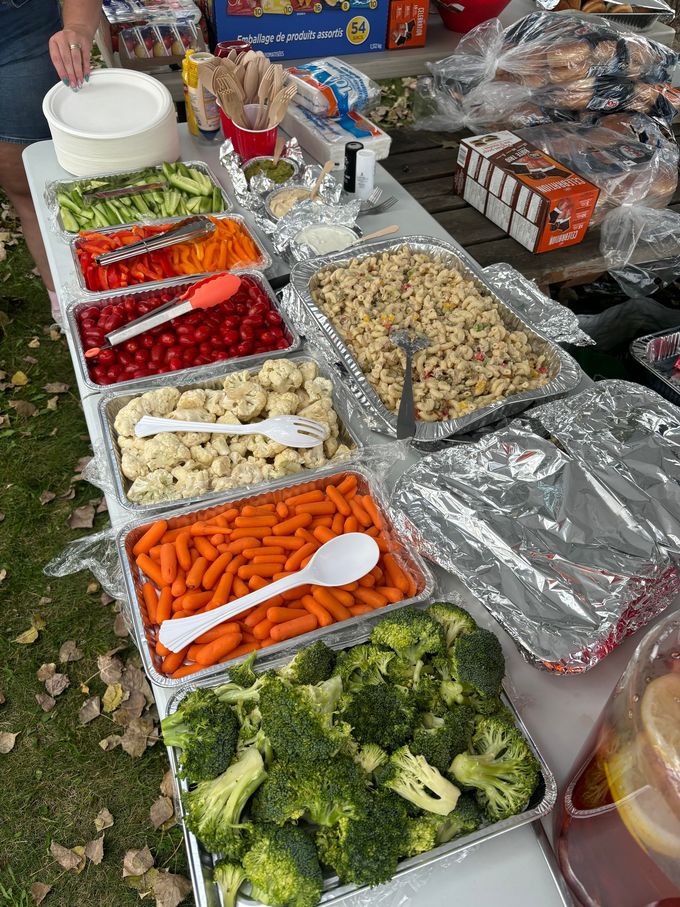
point(26, 71)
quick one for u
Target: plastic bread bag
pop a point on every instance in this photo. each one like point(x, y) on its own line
point(606, 94)
point(639, 126)
point(643, 238)
point(626, 172)
point(332, 88)
point(641, 11)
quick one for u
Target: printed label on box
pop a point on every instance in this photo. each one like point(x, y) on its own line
point(407, 24)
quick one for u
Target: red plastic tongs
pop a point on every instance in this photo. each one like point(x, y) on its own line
point(202, 295)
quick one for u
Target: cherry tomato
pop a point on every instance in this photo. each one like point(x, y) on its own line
point(147, 340)
point(107, 357)
point(245, 348)
point(175, 363)
point(167, 338)
point(131, 346)
point(230, 337)
point(141, 357)
point(202, 333)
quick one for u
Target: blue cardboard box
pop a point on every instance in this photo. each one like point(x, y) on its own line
point(292, 29)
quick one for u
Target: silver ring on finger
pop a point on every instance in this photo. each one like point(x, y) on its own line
point(75, 46)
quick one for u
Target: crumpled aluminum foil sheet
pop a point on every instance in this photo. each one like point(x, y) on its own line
point(305, 215)
point(555, 320)
point(637, 436)
point(562, 560)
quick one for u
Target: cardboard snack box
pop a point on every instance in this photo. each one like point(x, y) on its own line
point(540, 202)
point(407, 24)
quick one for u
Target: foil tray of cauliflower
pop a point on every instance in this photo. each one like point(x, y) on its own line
point(188, 466)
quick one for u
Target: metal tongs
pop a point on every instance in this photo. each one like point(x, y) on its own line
point(187, 231)
point(122, 191)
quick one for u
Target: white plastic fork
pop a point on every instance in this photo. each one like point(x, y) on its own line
point(293, 431)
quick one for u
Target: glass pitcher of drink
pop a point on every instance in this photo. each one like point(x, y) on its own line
point(618, 829)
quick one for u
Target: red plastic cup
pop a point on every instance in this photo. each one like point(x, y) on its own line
point(222, 49)
point(251, 143)
point(463, 15)
point(227, 125)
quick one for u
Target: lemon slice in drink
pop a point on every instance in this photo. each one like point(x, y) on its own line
point(660, 713)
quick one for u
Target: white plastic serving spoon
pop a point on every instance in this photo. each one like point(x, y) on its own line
point(342, 560)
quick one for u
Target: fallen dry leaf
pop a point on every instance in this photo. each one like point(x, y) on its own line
point(39, 892)
point(168, 785)
point(137, 862)
point(3, 575)
point(137, 736)
point(52, 403)
point(105, 598)
point(23, 408)
point(46, 670)
point(113, 697)
point(34, 343)
point(110, 668)
point(135, 704)
point(56, 684)
point(92, 587)
point(82, 517)
point(44, 600)
point(69, 859)
point(46, 497)
point(143, 884)
point(133, 678)
point(7, 742)
point(94, 850)
point(46, 703)
point(84, 688)
point(30, 359)
point(102, 506)
point(56, 387)
point(161, 811)
point(103, 819)
point(27, 637)
point(70, 651)
point(38, 621)
point(54, 331)
point(19, 379)
point(2, 698)
point(90, 710)
point(68, 495)
point(170, 889)
point(111, 742)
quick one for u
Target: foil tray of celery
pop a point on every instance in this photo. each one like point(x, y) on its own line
point(202, 862)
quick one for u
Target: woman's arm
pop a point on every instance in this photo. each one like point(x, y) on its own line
point(70, 48)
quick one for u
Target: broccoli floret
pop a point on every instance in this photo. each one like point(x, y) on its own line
point(370, 757)
point(500, 766)
point(429, 831)
point(251, 734)
point(228, 877)
point(380, 713)
point(366, 851)
point(439, 739)
point(414, 779)
point(283, 867)
point(238, 695)
point(361, 665)
point(422, 834)
point(477, 662)
point(455, 620)
point(410, 633)
point(322, 793)
point(311, 665)
point(243, 674)
point(297, 720)
point(213, 808)
point(206, 730)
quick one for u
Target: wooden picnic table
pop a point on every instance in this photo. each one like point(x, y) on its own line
point(424, 163)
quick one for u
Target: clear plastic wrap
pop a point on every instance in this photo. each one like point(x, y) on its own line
point(648, 235)
point(96, 553)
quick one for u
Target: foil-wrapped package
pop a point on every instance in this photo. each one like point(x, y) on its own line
point(306, 215)
point(563, 562)
point(251, 196)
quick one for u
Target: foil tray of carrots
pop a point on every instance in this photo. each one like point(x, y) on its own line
point(195, 560)
point(232, 246)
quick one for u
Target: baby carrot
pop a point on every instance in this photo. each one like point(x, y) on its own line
point(257, 614)
point(182, 549)
point(323, 534)
point(225, 518)
point(240, 587)
point(194, 600)
point(396, 575)
point(151, 568)
point(358, 510)
point(345, 598)
point(215, 571)
point(180, 614)
point(206, 549)
point(243, 649)
point(221, 591)
point(195, 575)
point(289, 526)
point(151, 601)
point(294, 627)
point(213, 651)
point(267, 642)
point(216, 632)
point(370, 597)
point(355, 610)
point(168, 563)
point(372, 510)
point(338, 524)
point(347, 484)
point(288, 542)
point(326, 521)
point(297, 557)
point(317, 508)
point(309, 497)
point(268, 569)
point(282, 510)
point(337, 498)
point(322, 615)
point(250, 510)
point(257, 582)
point(349, 587)
point(216, 539)
point(164, 609)
point(255, 532)
point(412, 588)
point(205, 530)
point(155, 552)
point(330, 603)
point(295, 593)
point(264, 550)
point(151, 537)
point(179, 587)
point(279, 615)
point(172, 535)
point(172, 662)
point(186, 670)
point(306, 536)
point(252, 522)
point(351, 524)
point(391, 593)
point(237, 562)
point(378, 573)
point(367, 581)
point(161, 649)
point(262, 630)
point(269, 559)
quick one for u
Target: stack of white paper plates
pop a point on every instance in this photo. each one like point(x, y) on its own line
point(120, 120)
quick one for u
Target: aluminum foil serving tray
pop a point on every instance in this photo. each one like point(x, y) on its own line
point(343, 637)
point(564, 373)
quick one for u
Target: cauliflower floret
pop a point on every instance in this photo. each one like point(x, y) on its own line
point(192, 415)
point(192, 399)
point(133, 463)
point(330, 445)
point(321, 411)
point(239, 445)
point(131, 443)
point(162, 401)
point(318, 389)
point(165, 450)
point(287, 462)
point(202, 455)
point(308, 370)
point(269, 472)
point(236, 378)
point(313, 457)
point(236, 457)
point(191, 482)
point(220, 466)
point(222, 483)
point(245, 400)
point(220, 445)
point(342, 452)
point(229, 419)
point(213, 402)
point(157, 486)
point(264, 448)
point(190, 438)
point(280, 375)
point(282, 404)
point(246, 473)
point(129, 416)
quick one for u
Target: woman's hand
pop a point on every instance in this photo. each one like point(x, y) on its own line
point(70, 53)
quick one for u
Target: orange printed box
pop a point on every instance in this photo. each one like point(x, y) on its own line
point(407, 24)
point(540, 202)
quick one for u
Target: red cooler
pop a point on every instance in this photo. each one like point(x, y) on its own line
point(464, 15)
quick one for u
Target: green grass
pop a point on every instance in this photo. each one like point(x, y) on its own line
point(56, 779)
